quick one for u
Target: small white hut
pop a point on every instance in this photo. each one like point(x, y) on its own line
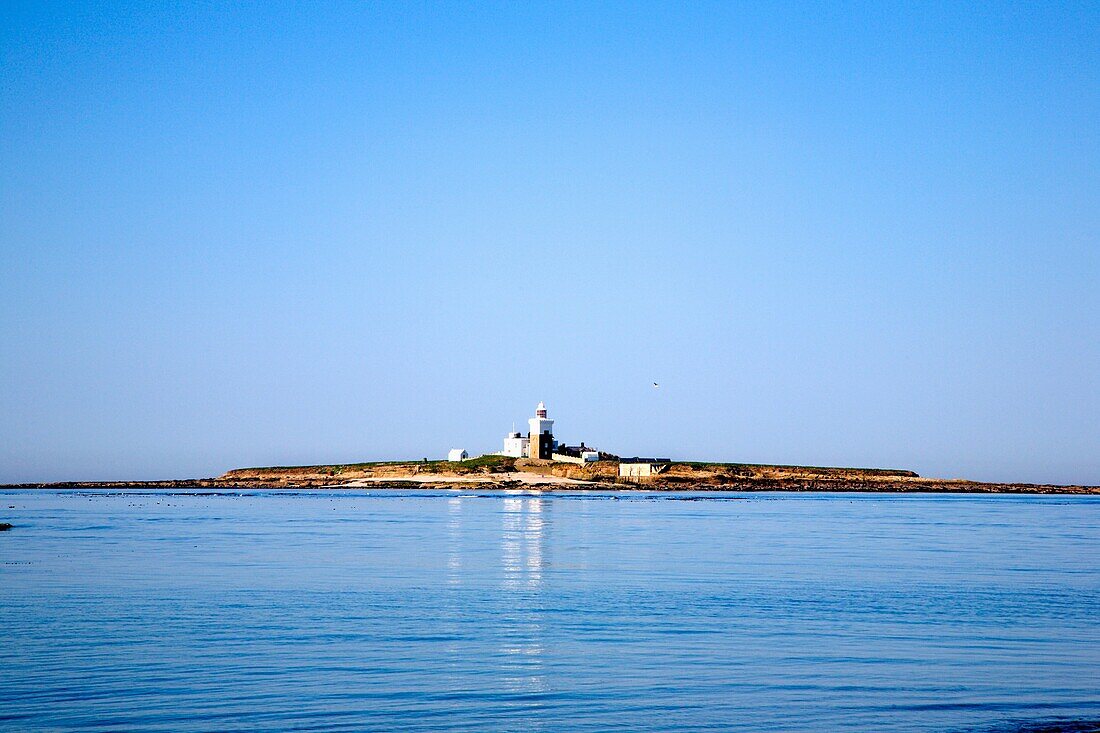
point(457, 454)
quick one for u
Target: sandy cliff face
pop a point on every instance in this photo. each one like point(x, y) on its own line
point(605, 474)
point(504, 472)
point(717, 473)
point(338, 474)
point(596, 471)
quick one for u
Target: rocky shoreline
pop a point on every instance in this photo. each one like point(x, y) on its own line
point(494, 484)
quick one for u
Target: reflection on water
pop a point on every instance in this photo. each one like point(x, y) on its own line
point(523, 540)
point(452, 611)
point(454, 541)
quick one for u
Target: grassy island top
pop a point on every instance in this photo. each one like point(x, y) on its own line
point(498, 463)
point(504, 464)
point(490, 462)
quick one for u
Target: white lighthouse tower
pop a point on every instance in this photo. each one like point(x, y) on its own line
point(541, 436)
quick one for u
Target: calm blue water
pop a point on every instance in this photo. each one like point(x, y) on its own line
point(434, 611)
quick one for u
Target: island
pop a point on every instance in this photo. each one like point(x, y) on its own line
point(506, 472)
point(538, 461)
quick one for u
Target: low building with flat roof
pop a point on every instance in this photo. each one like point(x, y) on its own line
point(642, 468)
point(579, 454)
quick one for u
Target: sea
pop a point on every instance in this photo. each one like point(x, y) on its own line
point(472, 610)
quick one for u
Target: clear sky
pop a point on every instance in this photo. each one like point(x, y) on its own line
point(836, 234)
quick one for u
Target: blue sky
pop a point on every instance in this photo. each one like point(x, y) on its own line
point(836, 234)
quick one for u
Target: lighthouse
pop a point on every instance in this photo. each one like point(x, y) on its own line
point(541, 435)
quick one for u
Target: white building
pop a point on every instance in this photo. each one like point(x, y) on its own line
point(540, 437)
point(642, 468)
point(515, 445)
point(457, 454)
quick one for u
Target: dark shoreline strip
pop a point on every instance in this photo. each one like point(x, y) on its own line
point(928, 486)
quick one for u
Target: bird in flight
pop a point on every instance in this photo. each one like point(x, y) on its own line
point(656, 386)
